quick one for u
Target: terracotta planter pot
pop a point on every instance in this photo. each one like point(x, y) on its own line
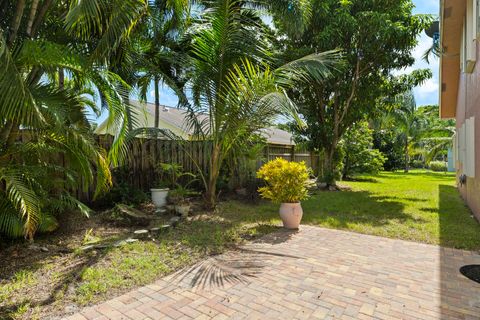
point(291, 214)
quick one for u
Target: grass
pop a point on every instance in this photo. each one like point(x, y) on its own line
point(418, 206)
point(53, 282)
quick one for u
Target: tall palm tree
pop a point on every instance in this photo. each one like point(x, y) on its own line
point(53, 59)
point(163, 49)
point(233, 81)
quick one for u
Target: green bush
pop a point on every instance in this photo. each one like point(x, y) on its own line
point(417, 164)
point(391, 147)
point(438, 166)
point(360, 157)
point(121, 192)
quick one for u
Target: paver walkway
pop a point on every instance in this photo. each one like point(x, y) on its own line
point(313, 274)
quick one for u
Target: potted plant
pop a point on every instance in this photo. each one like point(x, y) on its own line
point(167, 176)
point(286, 183)
point(178, 197)
point(159, 196)
point(174, 193)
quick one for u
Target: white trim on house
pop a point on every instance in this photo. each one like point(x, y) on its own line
point(468, 50)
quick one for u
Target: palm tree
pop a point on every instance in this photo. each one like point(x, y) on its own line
point(53, 60)
point(438, 137)
point(239, 96)
point(162, 55)
point(409, 122)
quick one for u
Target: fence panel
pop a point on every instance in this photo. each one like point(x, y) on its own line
point(145, 154)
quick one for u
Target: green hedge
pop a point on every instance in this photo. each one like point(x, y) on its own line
point(438, 166)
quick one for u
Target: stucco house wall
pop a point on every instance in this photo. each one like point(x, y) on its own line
point(468, 105)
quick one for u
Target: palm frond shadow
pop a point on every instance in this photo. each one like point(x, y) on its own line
point(238, 266)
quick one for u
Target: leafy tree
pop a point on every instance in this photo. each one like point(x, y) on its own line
point(360, 157)
point(438, 137)
point(376, 37)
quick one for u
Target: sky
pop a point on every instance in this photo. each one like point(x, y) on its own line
point(427, 94)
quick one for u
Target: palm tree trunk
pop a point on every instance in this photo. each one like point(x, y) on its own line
point(5, 132)
point(211, 192)
point(61, 79)
point(157, 102)
point(31, 18)
point(407, 160)
point(39, 19)
point(17, 18)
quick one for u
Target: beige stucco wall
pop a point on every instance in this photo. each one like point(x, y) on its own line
point(468, 106)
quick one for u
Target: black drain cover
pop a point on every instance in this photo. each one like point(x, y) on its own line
point(472, 272)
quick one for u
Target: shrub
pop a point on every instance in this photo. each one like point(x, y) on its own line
point(438, 166)
point(417, 164)
point(360, 157)
point(122, 191)
point(391, 147)
point(286, 182)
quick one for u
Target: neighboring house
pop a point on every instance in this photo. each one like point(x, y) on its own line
point(460, 90)
point(174, 120)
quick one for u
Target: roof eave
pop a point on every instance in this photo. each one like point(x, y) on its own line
point(451, 21)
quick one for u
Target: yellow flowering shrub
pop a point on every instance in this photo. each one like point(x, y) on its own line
point(286, 182)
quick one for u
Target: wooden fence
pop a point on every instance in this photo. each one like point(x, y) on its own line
point(292, 153)
point(145, 154)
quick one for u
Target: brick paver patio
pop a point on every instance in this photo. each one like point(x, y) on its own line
point(313, 274)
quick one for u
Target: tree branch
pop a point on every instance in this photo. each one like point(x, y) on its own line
point(352, 93)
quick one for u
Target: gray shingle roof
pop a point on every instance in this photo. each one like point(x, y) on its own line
point(176, 117)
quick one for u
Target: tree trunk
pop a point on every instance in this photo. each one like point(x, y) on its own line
point(41, 14)
point(407, 160)
point(211, 192)
point(17, 18)
point(31, 18)
point(329, 167)
point(12, 136)
point(157, 102)
point(61, 78)
point(329, 161)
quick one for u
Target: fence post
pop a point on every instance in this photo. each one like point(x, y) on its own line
point(293, 153)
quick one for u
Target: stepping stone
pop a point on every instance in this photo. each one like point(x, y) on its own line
point(174, 221)
point(141, 234)
point(120, 243)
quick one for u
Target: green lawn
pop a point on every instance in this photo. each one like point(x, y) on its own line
point(419, 206)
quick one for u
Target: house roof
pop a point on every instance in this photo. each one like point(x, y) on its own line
point(175, 120)
point(452, 13)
